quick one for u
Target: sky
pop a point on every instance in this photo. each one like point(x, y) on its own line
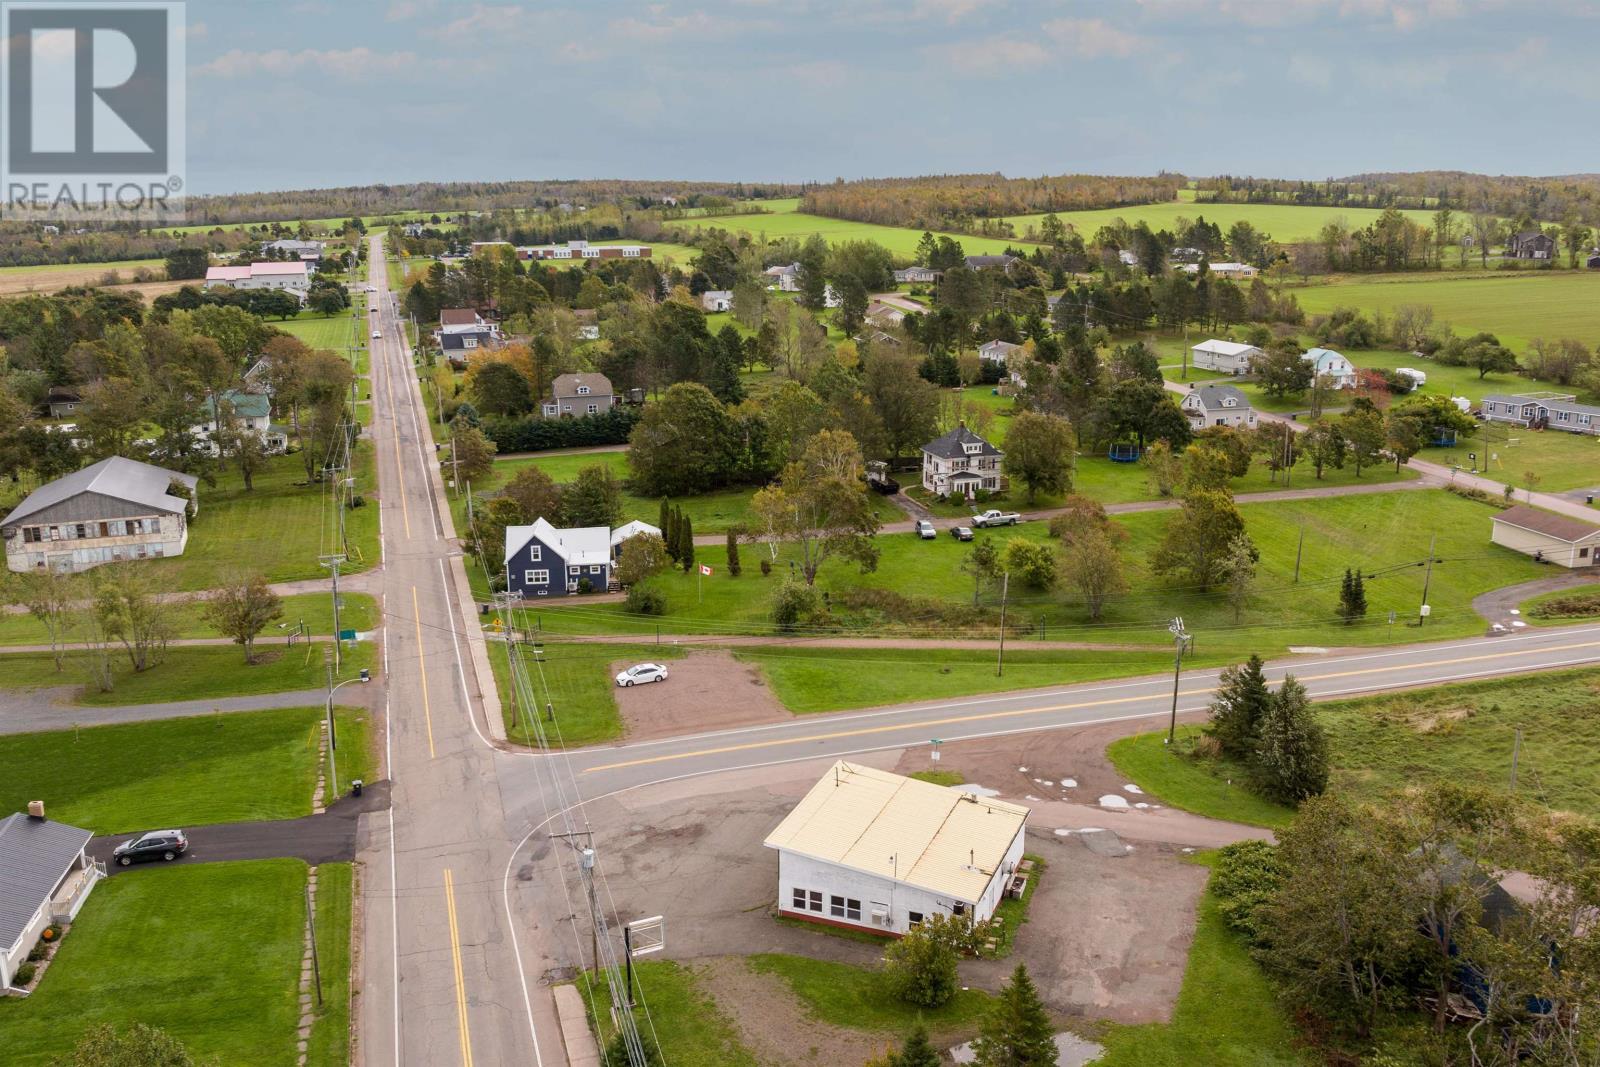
point(316, 93)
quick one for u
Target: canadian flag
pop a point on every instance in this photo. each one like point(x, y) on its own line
point(705, 570)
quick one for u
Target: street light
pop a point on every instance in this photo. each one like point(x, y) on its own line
point(1181, 641)
point(333, 738)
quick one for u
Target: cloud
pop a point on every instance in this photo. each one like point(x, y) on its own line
point(820, 73)
point(576, 52)
point(659, 25)
point(952, 11)
point(1094, 38)
point(1403, 15)
point(990, 55)
point(483, 23)
point(350, 64)
point(401, 10)
point(195, 31)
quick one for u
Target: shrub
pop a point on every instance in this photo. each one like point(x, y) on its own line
point(532, 434)
point(1032, 564)
point(585, 585)
point(1575, 606)
point(646, 600)
point(25, 974)
point(921, 968)
point(38, 952)
point(766, 567)
point(51, 933)
point(795, 604)
point(1245, 878)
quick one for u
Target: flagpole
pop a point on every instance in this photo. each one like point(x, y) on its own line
point(699, 585)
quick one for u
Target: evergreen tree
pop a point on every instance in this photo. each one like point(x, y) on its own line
point(1352, 596)
point(733, 553)
point(664, 524)
point(1292, 751)
point(918, 1051)
point(1239, 707)
point(688, 545)
point(1017, 1030)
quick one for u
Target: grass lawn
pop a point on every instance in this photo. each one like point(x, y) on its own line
point(210, 952)
point(581, 688)
point(314, 609)
point(1385, 533)
point(838, 994)
point(1458, 733)
point(1563, 461)
point(1227, 1007)
point(330, 1031)
point(234, 767)
point(335, 332)
point(770, 226)
point(278, 529)
point(691, 1029)
point(188, 672)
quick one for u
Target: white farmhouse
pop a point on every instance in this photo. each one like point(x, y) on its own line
point(959, 463)
point(997, 351)
point(716, 300)
point(1218, 405)
point(1227, 356)
point(1328, 364)
point(872, 850)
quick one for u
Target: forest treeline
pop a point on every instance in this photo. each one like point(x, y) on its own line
point(1552, 199)
point(969, 203)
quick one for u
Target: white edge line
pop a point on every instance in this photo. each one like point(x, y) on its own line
point(461, 671)
point(511, 925)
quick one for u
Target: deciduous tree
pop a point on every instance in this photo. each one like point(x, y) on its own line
point(1197, 541)
point(592, 498)
point(1039, 454)
point(820, 505)
point(241, 608)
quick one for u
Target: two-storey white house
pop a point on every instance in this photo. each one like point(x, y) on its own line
point(251, 412)
point(960, 463)
point(1230, 356)
point(1218, 405)
point(1330, 365)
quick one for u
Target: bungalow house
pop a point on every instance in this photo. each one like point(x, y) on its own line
point(1127, 258)
point(960, 463)
point(717, 300)
point(1232, 271)
point(1227, 356)
point(1546, 536)
point(1326, 363)
point(583, 251)
point(542, 561)
point(251, 411)
point(1218, 405)
point(309, 251)
point(979, 262)
point(62, 401)
point(45, 876)
point(881, 314)
point(786, 277)
point(117, 509)
point(583, 393)
point(997, 351)
point(1530, 244)
point(1540, 411)
point(627, 532)
point(916, 275)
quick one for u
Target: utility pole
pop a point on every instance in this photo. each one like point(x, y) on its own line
point(316, 963)
point(1516, 750)
point(333, 742)
point(1005, 588)
point(1298, 549)
point(332, 563)
point(1427, 578)
point(1180, 638)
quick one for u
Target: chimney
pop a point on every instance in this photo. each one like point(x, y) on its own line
point(36, 809)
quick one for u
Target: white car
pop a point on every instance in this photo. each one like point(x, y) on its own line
point(376, 334)
point(925, 530)
point(372, 288)
point(640, 673)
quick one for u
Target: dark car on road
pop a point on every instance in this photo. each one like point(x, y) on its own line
point(165, 845)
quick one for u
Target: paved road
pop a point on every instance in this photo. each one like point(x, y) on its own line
point(326, 838)
point(441, 980)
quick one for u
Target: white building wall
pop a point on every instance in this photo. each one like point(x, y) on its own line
point(1528, 542)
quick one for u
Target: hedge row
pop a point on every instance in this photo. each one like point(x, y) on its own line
point(533, 434)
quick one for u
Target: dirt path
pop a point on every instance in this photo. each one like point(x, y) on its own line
point(774, 1024)
point(705, 691)
point(1496, 604)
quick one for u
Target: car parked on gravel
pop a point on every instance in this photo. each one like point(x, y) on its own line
point(641, 673)
point(925, 530)
point(165, 845)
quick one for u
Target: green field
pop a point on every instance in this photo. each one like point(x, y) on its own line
point(1285, 222)
point(1385, 533)
point(314, 609)
point(208, 952)
point(576, 682)
point(334, 332)
point(330, 1032)
point(237, 767)
point(691, 1029)
point(186, 672)
point(1516, 306)
point(128, 266)
point(901, 242)
point(1456, 733)
point(278, 529)
point(841, 995)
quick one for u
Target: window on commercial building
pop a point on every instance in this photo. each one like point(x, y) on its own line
point(915, 918)
point(844, 908)
point(800, 900)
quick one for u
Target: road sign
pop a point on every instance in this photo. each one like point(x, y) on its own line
point(347, 635)
point(646, 936)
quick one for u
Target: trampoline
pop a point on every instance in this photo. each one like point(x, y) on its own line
point(1124, 452)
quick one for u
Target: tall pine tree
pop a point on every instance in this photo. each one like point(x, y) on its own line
point(1237, 710)
point(918, 1051)
point(1292, 751)
point(664, 522)
point(1352, 596)
point(687, 543)
point(1017, 1030)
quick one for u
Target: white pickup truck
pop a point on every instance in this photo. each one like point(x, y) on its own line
point(995, 517)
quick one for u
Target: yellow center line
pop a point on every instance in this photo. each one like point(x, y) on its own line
point(949, 720)
point(399, 467)
point(455, 957)
point(422, 665)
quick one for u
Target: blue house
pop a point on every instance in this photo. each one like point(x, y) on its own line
point(542, 561)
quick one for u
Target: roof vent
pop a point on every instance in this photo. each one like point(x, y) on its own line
point(36, 809)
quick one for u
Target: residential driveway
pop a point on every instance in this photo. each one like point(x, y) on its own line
point(26, 711)
point(326, 838)
point(1496, 604)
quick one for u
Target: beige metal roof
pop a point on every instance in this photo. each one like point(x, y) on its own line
point(929, 836)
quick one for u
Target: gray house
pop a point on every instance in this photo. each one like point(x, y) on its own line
point(1543, 411)
point(117, 509)
point(1218, 405)
point(1531, 244)
point(917, 274)
point(45, 876)
point(575, 395)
